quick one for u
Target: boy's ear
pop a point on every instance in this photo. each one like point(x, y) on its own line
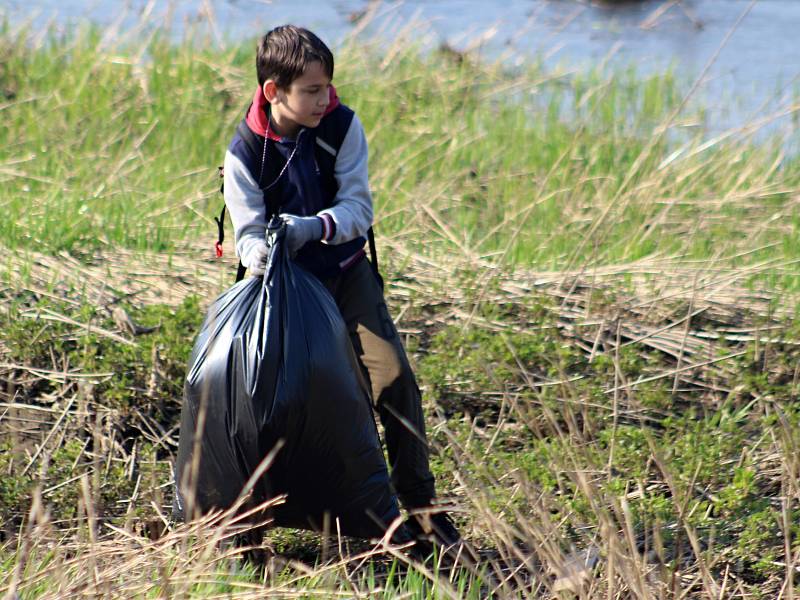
point(271, 92)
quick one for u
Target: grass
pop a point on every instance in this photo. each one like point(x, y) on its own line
point(686, 491)
point(118, 144)
point(597, 299)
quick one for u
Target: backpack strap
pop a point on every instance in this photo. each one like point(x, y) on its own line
point(241, 269)
point(373, 255)
point(220, 229)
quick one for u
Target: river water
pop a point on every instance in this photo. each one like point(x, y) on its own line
point(751, 48)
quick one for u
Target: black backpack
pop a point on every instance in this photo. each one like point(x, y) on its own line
point(329, 139)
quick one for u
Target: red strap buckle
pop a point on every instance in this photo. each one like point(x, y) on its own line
point(218, 249)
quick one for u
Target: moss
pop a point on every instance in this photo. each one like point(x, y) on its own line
point(631, 450)
point(36, 341)
point(759, 544)
point(147, 378)
point(14, 489)
point(460, 364)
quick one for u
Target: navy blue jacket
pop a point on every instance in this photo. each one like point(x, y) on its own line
point(322, 172)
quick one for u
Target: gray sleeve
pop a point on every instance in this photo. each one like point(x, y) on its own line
point(352, 208)
point(245, 203)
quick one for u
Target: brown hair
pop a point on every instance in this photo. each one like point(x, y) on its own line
point(284, 53)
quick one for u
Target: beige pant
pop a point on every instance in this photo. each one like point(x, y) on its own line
point(394, 388)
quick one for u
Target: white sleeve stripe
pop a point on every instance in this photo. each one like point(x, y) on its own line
point(326, 146)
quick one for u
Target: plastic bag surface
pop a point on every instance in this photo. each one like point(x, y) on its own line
point(273, 362)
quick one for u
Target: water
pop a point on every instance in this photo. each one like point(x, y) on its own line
point(754, 75)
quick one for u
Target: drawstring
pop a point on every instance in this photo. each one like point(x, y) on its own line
point(264, 153)
point(264, 158)
point(220, 232)
point(221, 219)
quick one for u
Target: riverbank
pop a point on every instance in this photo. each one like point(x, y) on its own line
point(118, 145)
point(743, 49)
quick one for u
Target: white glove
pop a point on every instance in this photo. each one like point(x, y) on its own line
point(256, 261)
point(301, 230)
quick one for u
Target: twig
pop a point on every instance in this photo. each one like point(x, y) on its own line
point(674, 371)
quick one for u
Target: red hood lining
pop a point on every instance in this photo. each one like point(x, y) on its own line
point(257, 119)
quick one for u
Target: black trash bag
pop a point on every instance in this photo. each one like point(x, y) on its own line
point(273, 362)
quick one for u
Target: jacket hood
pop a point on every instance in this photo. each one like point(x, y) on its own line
point(257, 119)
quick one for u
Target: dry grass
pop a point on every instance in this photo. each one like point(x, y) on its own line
point(685, 311)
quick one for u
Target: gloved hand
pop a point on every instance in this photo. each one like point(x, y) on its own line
point(301, 230)
point(256, 261)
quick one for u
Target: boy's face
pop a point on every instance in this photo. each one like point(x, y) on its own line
point(301, 105)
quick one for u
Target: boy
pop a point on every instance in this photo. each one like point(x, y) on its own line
point(285, 163)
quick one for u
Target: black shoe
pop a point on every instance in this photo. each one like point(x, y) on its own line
point(434, 527)
point(434, 530)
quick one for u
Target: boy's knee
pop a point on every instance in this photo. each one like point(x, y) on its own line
point(391, 373)
point(386, 363)
point(399, 382)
